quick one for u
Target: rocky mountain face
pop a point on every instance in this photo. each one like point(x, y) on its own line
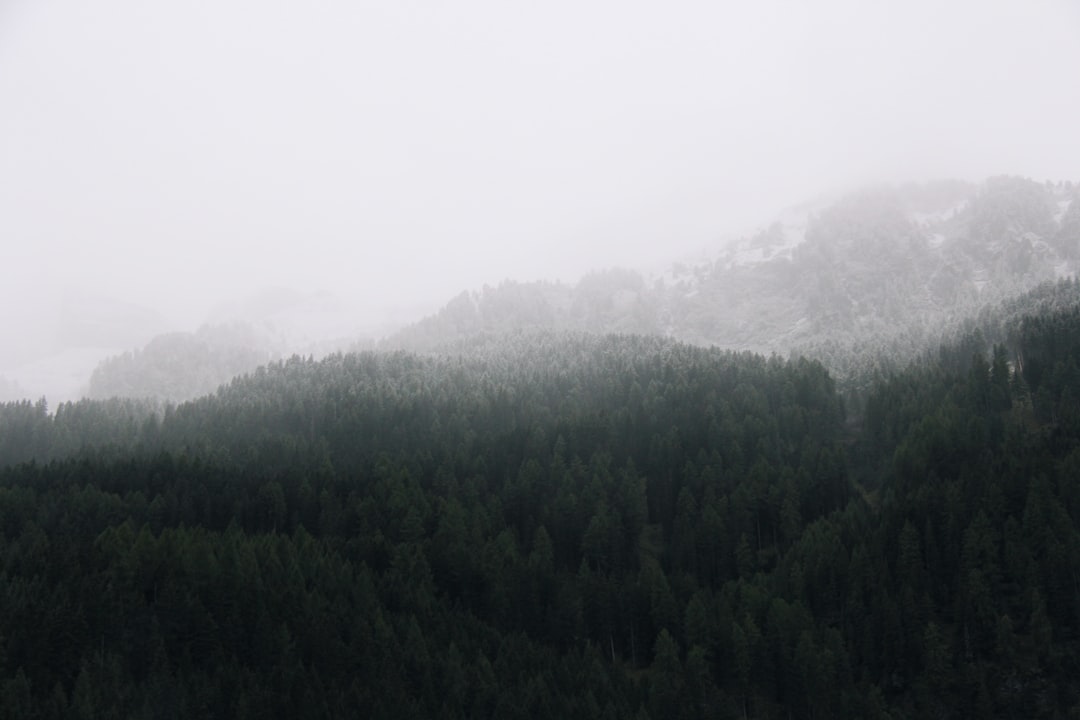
point(880, 272)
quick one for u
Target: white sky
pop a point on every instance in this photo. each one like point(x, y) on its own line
point(397, 152)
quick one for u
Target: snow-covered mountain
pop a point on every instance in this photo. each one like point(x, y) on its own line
point(883, 270)
point(862, 281)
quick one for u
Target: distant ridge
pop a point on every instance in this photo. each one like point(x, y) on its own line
point(884, 265)
point(863, 283)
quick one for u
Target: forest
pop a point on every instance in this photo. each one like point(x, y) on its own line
point(556, 524)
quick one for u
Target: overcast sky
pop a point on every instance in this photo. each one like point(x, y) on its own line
point(397, 152)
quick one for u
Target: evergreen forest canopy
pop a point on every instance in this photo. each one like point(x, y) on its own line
point(558, 525)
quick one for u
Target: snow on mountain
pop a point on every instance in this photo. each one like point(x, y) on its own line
point(877, 269)
point(871, 275)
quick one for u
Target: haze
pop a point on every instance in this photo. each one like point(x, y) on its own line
point(171, 157)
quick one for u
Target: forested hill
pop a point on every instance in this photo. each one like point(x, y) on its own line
point(877, 275)
point(182, 366)
point(561, 526)
point(506, 385)
point(862, 283)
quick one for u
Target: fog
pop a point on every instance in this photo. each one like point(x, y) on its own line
point(159, 161)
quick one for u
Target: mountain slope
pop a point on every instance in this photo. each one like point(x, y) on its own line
point(565, 526)
point(863, 283)
point(270, 325)
point(883, 270)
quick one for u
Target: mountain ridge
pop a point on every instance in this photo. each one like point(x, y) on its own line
point(882, 263)
point(867, 279)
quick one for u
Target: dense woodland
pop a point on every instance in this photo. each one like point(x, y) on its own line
point(556, 525)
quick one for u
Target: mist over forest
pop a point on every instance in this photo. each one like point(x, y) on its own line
point(339, 174)
point(603, 360)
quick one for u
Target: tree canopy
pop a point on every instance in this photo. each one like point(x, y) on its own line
point(554, 525)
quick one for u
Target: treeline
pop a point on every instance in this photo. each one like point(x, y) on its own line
point(860, 363)
point(552, 526)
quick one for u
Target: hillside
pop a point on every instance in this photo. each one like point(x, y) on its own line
point(881, 273)
point(864, 284)
point(554, 525)
point(181, 366)
point(241, 336)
